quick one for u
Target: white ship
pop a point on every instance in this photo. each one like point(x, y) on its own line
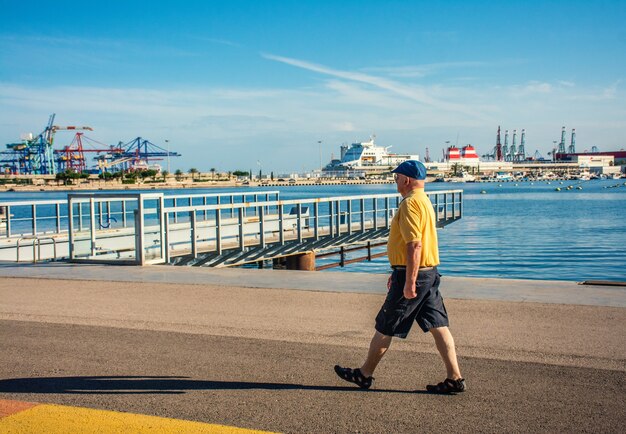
point(367, 156)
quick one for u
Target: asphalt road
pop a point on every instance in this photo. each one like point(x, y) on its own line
point(263, 359)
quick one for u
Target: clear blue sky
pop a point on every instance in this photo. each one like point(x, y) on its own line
point(233, 83)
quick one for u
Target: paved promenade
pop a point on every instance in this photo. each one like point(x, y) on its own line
point(255, 349)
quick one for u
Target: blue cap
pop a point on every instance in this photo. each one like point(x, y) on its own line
point(412, 169)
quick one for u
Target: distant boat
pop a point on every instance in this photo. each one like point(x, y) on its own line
point(465, 177)
point(504, 176)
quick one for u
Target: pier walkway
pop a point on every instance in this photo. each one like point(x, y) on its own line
point(255, 349)
point(201, 230)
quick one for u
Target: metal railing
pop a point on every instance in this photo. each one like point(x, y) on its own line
point(36, 247)
point(23, 218)
point(216, 229)
point(310, 223)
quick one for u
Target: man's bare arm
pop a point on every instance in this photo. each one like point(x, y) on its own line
point(413, 256)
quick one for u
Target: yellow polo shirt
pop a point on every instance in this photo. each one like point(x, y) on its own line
point(414, 221)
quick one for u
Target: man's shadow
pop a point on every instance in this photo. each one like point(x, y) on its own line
point(153, 385)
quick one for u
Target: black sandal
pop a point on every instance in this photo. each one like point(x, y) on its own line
point(354, 376)
point(448, 387)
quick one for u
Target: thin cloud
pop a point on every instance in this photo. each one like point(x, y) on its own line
point(418, 71)
point(411, 92)
point(566, 83)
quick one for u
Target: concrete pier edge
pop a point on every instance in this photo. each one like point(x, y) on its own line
point(468, 288)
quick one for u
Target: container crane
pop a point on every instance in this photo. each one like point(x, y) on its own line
point(505, 148)
point(33, 155)
point(521, 151)
point(144, 151)
point(572, 147)
point(72, 157)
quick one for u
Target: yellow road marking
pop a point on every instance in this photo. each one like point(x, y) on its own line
point(58, 419)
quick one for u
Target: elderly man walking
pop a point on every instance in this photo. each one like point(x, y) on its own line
point(413, 287)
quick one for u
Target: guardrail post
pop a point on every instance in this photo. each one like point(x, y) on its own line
point(242, 243)
point(387, 212)
point(58, 216)
point(375, 210)
point(139, 223)
point(299, 216)
point(338, 215)
point(331, 219)
point(80, 216)
point(453, 206)
point(34, 208)
point(362, 204)
point(218, 231)
point(162, 223)
point(192, 233)
point(281, 224)
point(8, 209)
point(261, 224)
point(92, 225)
point(349, 217)
point(124, 213)
point(70, 227)
point(166, 238)
point(316, 222)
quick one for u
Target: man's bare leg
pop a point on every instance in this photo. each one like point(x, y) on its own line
point(445, 346)
point(378, 347)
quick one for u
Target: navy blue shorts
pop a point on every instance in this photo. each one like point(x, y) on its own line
point(396, 316)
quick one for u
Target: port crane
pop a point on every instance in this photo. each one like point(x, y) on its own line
point(141, 152)
point(72, 157)
point(35, 155)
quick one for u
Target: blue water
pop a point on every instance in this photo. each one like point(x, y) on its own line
point(523, 231)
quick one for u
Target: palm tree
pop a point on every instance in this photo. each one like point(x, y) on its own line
point(212, 173)
point(193, 171)
point(164, 174)
point(178, 174)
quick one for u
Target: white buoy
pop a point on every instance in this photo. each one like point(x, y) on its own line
point(483, 192)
